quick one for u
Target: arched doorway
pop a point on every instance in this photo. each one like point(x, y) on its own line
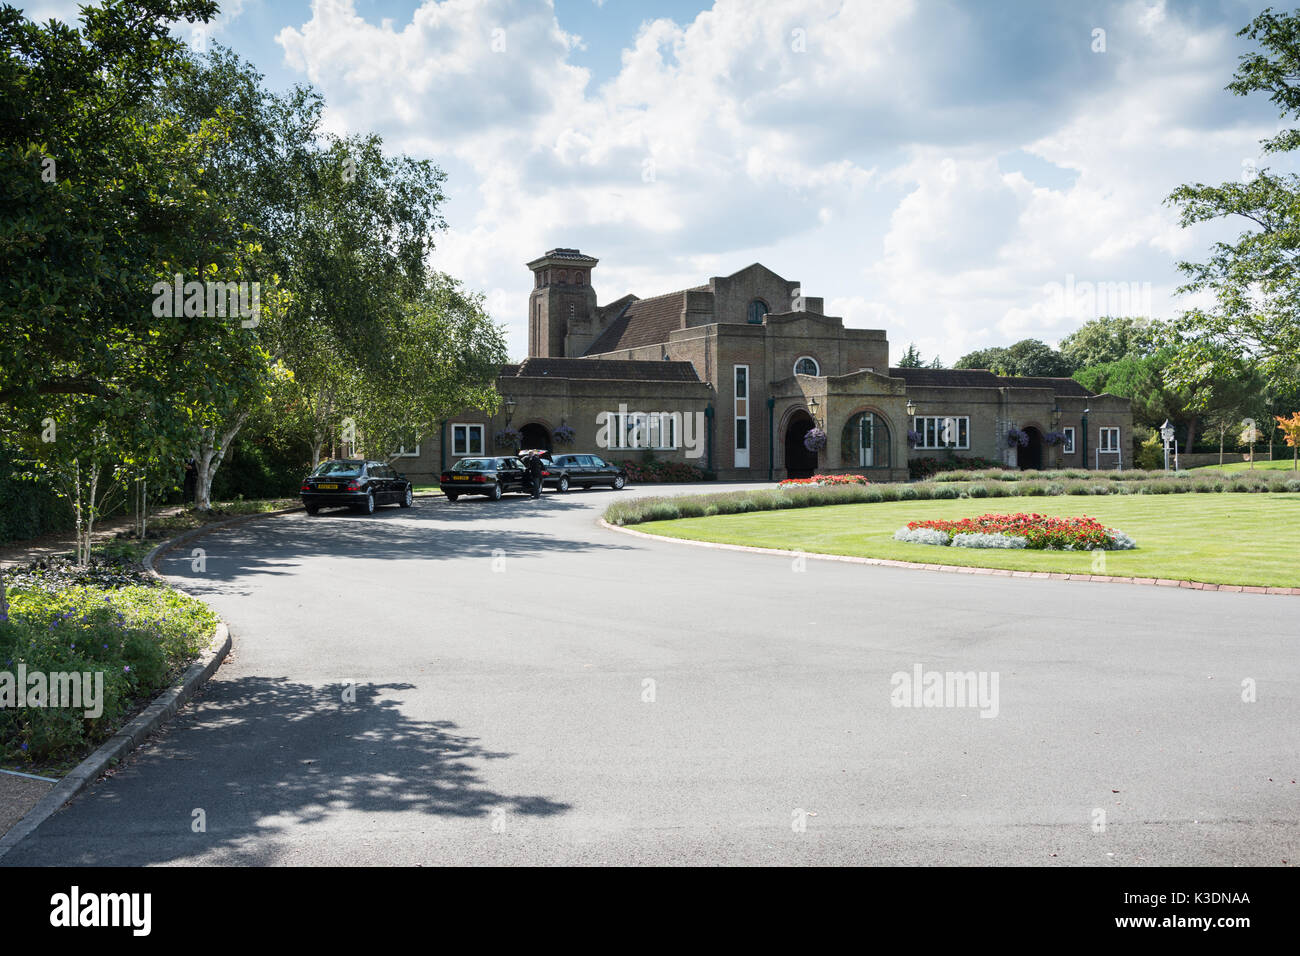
point(534, 435)
point(1031, 455)
point(799, 461)
point(864, 443)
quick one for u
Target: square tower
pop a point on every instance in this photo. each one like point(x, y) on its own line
point(562, 306)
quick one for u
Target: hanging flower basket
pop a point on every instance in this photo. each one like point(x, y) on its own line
point(1054, 438)
point(913, 438)
point(507, 438)
point(1016, 437)
point(564, 435)
point(814, 439)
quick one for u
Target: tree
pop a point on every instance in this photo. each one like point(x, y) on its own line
point(1290, 427)
point(98, 196)
point(1253, 279)
point(1111, 338)
point(1028, 357)
point(911, 358)
point(343, 231)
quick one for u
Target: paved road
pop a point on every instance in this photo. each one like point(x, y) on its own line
point(501, 654)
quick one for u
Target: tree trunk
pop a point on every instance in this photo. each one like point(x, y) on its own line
point(90, 513)
point(208, 457)
point(1220, 452)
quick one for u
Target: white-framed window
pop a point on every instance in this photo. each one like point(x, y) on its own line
point(942, 431)
point(806, 365)
point(1108, 440)
point(741, 379)
point(404, 452)
point(1067, 446)
point(466, 439)
point(657, 430)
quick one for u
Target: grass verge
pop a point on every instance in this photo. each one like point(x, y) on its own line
point(1230, 538)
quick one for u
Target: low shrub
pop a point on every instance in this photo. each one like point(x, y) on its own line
point(136, 636)
point(666, 472)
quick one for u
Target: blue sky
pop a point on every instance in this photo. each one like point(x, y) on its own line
point(935, 168)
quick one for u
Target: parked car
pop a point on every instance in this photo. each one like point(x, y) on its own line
point(491, 477)
point(584, 471)
point(553, 475)
point(355, 483)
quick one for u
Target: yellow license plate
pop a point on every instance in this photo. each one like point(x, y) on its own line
point(460, 477)
point(330, 487)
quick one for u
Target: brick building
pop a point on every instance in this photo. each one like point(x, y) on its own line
point(732, 375)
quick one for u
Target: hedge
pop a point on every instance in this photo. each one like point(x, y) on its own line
point(638, 510)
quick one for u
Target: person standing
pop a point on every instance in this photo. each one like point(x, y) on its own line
point(535, 474)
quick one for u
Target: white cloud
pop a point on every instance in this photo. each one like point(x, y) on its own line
point(851, 146)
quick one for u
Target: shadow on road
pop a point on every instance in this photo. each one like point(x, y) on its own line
point(262, 756)
point(432, 531)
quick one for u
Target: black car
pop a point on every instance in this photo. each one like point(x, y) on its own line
point(491, 477)
point(584, 471)
point(355, 483)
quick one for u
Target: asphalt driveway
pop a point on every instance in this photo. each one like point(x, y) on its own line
point(508, 682)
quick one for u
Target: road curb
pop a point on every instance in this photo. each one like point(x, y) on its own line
point(163, 708)
point(959, 568)
point(149, 720)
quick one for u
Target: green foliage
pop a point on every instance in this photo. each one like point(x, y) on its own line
point(1253, 279)
point(1112, 338)
point(136, 636)
point(1150, 454)
point(29, 507)
point(1028, 357)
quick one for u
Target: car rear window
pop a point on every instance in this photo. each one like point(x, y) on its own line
point(475, 464)
point(341, 469)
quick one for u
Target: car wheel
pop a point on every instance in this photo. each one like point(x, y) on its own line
point(368, 506)
point(563, 484)
point(618, 483)
point(451, 496)
point(408, 498)
point(495, 493)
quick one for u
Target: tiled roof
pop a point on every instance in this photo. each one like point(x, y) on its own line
point(603, 369)
point(573, 254)
point(1062, 386)
point(643, 322)
point(946, 377)
point(983, 378)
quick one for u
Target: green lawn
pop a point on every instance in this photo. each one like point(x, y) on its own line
point(1279, 464)
point(1250, 539)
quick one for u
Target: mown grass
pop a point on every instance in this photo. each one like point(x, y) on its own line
point(1279, 464)
point(1229, 538)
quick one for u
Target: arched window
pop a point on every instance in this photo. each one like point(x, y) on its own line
point(864, 442)
point(577, 278)
point(806, 365)
point(757, 309)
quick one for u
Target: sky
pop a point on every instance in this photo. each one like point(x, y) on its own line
point(960, 174)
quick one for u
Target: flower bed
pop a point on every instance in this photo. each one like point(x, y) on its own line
point(135, 631)
point(1034, 530)
point(819, 480)
point(661, 471)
